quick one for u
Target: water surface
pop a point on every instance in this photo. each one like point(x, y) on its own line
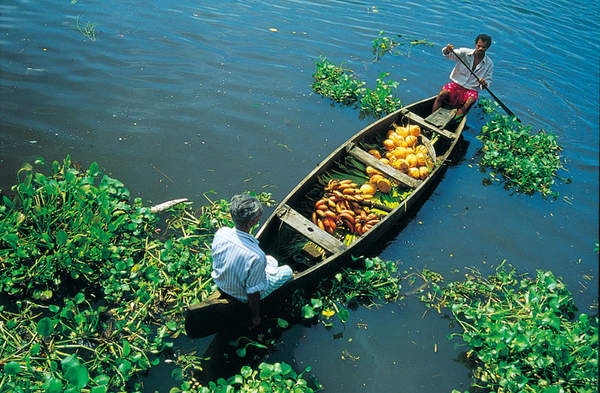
point(179, 98)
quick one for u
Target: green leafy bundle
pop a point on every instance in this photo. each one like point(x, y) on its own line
point(64, 226)
point(383, 44)
point(521, 334)
point(275, 377)
point(335, 83)
point(377, 281)
point(528, 161)
point(380, 101)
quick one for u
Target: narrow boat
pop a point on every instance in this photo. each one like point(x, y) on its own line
point(332, 215)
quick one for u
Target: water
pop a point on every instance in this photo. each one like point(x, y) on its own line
point(179, 98)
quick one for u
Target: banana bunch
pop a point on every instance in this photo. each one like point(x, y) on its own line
point(340, 207)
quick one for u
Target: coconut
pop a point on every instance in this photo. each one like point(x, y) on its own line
point(384, 185)
point(372, 171)
point(402, 165)
point(375, 153)
point(389, 144)
point(368, 189)
point(399, 152)
point(414, 130)
point(414, 172)
point(411, 140)
point(412, 160)
point(402, 131)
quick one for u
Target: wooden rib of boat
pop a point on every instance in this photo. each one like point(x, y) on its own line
point(292, 235)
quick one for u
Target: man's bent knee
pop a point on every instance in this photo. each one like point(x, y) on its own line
point(444, 93)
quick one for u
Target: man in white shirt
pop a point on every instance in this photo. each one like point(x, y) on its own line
point(241, 269)
point(464, 89)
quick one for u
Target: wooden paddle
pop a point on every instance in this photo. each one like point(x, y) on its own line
point(510, 113)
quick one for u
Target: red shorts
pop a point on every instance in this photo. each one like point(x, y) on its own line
point(458, 94)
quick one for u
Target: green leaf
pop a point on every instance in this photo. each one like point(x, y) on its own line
point(45, 326)
point(282, 323)
point(171, 325)
point(35, 349)
point(246, 371)
point(343, 314)
point(308, 312)
point(77, 376)
point(316, 303)
point(61, 237)
point(52, 385)
point(98, 389)
point(126, 348)
point(102, 379)
point(93, 170)
point(79, 298)
point(124, 366)
point(177, 374)
point(12, 368)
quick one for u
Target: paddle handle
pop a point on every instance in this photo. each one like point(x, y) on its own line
point(510, 113)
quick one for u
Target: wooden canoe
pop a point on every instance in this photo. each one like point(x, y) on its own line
point(292, 224)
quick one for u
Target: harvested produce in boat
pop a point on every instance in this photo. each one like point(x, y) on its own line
point(340, 207)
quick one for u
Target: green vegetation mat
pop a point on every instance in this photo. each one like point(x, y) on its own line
point(521, 332)
point(94, 290)
point(528, 161)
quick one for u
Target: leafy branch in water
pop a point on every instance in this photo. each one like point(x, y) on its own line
point(377, 281)
point(380, 101)
point(337, 84)
point(528, 161)
point(88, 31)
point(275, 377)
point(383, 44)
point(520, 332)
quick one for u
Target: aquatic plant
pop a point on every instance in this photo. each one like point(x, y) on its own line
point(88, 31)
point(380, 101)
point(383, 45)
point(520, 332)
point(268, 377)
point(375, 281)
point(98, 290)
point(527, 161)
point(65, 229)
point(336, 83)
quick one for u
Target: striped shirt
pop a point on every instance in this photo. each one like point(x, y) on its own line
point(238, 263)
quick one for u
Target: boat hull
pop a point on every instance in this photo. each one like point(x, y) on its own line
point(215, 314)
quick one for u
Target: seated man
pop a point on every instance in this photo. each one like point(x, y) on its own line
point(464, 89)
point(241, 269)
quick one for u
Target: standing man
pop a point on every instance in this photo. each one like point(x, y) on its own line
point(241, 269)
point(464, 89)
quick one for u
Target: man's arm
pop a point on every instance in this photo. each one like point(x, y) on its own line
point(447, 50)
point(487, 76)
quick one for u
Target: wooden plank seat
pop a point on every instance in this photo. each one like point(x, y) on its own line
point(387, 170)
point(309, 229)
point(423, 124)
point(441, 117)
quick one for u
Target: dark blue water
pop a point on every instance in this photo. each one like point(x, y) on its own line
point(178, 98)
